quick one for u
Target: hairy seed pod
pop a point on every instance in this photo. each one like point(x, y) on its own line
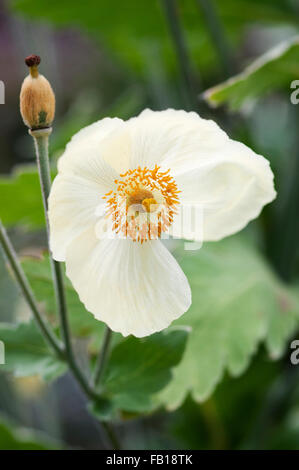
point(37, 99)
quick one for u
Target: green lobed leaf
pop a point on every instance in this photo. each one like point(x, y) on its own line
point(138, 369)
point(274, 70)
point(26, 352)
point(237, 303)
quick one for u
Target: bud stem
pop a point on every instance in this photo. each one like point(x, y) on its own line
point(33, 71)
point(100, 366)
point(41, 142)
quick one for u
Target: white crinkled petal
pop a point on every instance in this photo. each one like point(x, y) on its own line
point(135, 289)
point(73, 207)
point(171, 137)
point(75, 198)
point(106, 138)
point(230, 189)
point(226, 181)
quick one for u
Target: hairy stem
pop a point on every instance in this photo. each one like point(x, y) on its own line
point(41, 141)
point(112, 436)
point(27, 292)
point(100, 366)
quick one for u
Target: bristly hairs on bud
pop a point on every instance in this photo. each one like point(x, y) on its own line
point(37, 99)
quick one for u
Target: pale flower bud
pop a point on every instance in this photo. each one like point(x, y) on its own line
point(37, 100)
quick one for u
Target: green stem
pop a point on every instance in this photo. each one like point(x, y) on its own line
point(181, 52)
point(41, 141)
point(27, 292)
point(99, 369)
point(217, 34)
point(214, 424)
point(112, 436)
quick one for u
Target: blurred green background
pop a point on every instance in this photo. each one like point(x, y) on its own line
point(235, 387)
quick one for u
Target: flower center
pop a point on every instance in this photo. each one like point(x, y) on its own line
point(143, 204)
point(140, 196)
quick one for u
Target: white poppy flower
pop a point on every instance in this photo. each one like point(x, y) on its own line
point(160, 161)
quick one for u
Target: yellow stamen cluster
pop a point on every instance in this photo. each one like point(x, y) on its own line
point(143, 204)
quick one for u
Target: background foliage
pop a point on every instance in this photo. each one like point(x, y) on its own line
point(221, 376)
